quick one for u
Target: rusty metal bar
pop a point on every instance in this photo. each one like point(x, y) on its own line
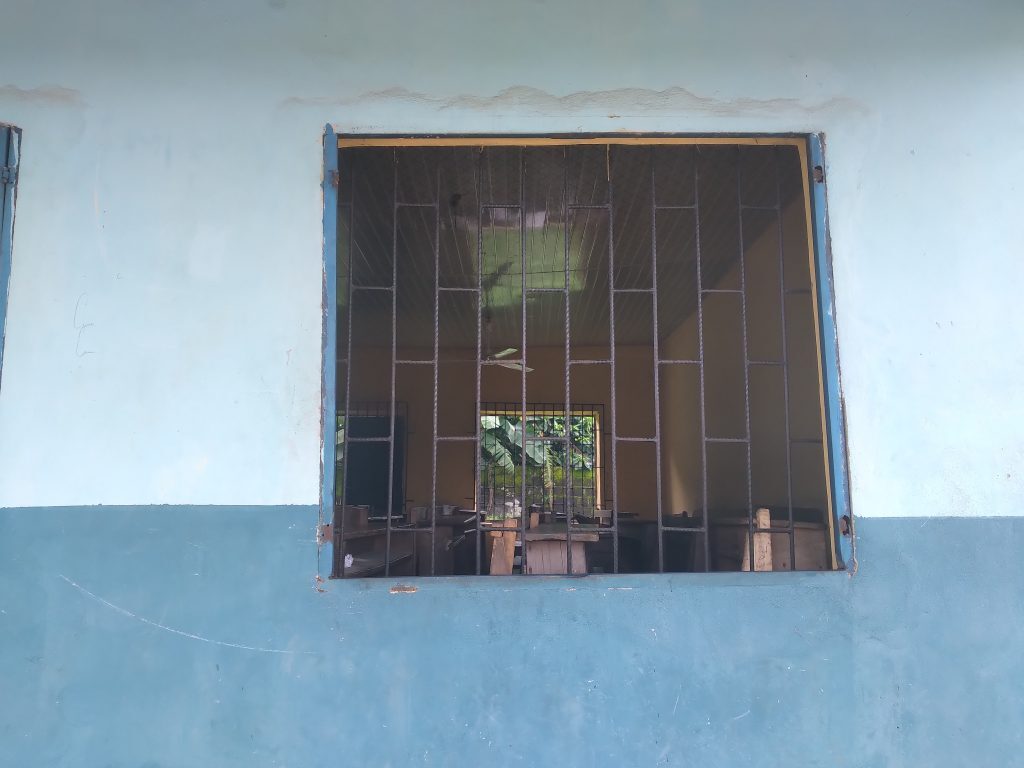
point(394, 356)
point(339, 520)
point(477, 463)
point(785, 360)
point(523, 517)
point(700, 356)
point(611, 350)
point(437, 365)
point(657, 367)
point(746, 354)
point(567, 473)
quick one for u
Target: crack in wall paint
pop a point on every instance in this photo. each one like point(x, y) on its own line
point(183, 633)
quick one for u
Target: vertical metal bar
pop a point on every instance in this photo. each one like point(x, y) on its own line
point(522, 415)
point(700, 357)
point(339, 526)
point(785, 357)
point(657, 366)
point(437, 365)
point(567, 501)
point(611, 358)
point(394, 356)
point(329, 375)
point(478, 463)
point(746, 355)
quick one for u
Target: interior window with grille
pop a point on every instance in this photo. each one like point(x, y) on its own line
point(589, 357)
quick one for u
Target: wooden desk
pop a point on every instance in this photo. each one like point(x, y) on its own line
point(547, 548)
point(367, 548)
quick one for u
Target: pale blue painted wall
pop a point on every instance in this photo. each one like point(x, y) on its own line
point(122, 627)
point(170, 193)
point(163, 346)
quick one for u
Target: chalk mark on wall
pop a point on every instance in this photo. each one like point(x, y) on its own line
point(172, 630)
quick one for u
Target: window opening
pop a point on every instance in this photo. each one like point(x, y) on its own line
point(578, 357)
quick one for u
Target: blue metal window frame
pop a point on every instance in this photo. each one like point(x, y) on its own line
point(328, 413)
point(9, 161)
point(835, 432)
point(835, 423)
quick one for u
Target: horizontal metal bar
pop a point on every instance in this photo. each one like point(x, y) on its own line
point(503, 361)
point(590, 362)
point(492, 206)
point(372, 288)
point(726, 440)
point(415, 362)
point(721, 290)
point(633, 290)
point(765, 362)
point(455, 289)
point(589, 207)
point(415, 205)
point(456, 438)
point(545, 290)
point(635, 439)
point(674, 529)
point(369, 439)
point(671, 361)
point(675, 207)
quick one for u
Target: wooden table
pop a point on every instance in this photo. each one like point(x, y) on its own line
point(547, 548)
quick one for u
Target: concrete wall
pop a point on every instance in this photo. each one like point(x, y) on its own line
point(163, 347)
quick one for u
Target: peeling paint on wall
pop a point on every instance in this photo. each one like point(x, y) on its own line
point(49, 94)
point(619, 101)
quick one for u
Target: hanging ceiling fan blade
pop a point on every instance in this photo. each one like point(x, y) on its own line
point(515, 367)
point(504, 353)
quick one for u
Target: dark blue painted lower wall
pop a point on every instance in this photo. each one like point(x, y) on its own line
point(192, 636)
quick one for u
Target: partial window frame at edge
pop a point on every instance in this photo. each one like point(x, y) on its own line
point(10, 152)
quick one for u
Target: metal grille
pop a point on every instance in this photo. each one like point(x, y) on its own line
point(500, 288)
